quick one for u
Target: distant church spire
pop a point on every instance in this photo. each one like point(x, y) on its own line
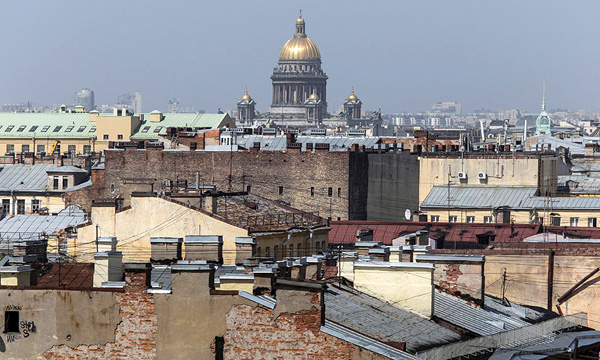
point(544, 97)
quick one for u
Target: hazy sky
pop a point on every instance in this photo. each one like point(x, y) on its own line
point(398, 55)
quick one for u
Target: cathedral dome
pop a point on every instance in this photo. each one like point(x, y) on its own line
point(300, 47)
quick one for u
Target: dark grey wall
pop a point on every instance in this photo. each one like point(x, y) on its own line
point(393, 185)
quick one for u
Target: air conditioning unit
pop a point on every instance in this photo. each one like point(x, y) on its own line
point(482, 176)
point(462, 175)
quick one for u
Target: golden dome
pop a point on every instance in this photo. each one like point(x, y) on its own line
point(352, 96)
point(246, 96)
point(300, 47)
point(314, 95)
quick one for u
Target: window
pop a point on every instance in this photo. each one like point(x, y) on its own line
point(267, 251)
point(69, 128)
point(299, 250)
point(93, 129)
point(35, 206)
point(9, 128)
point(453, 219)
point(6, 206)
point(21, 128)
point(488, 219)
point(87, 149)
point(555, 220)
point(55, 183)
point(339, 192)
point(57, 129)
point(318, 246)
point(281, 190)
point(539, 220)
point(258, 252)
point(11, 321)
point(591, 222)
point(330, 192)
point(33, 128)
point(105, 137)
point(21, 207)
point(157, 129)
point(145, 129)
point(483, 239)
point(119, 137)
point(276, 252)
point(248, 189)
point(24, 148)
point(470, 219)
point(435, 218)
point(112, 188)
point(45, 128)
point(65, 182)
point(10, 148)
point(72, 149)
point(574, 221)
point(312, 191)
point(81, 128)
point(57, 150)
point(291, 250)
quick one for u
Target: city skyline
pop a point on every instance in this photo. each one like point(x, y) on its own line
point(479, 55)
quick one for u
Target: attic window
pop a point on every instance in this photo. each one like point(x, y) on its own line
point(145, 129)
point(69, 128)
point(21, 128)
point(45, 128)
point(57, 129)
point(9, 128)
point(93, 129)
point(157, 130)
point(33, 128)
point(81, 128)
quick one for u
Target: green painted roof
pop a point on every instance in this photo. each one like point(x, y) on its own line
point(151, 130)
point(42, 125)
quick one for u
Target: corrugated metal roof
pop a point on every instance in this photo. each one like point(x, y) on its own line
point(279, 142)
point(364, 342)
point(546, 346)
point(481, 321)
point(382, 321)
point(19, 177)
point(161, 274)
point(31, 227)
point(151, 130)
point(513, 197)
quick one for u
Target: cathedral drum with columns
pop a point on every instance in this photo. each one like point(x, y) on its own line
point(298, 80)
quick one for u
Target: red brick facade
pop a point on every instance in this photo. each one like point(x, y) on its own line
point(135, 335)
point(253, 333)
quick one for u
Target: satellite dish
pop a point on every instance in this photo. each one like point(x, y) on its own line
point(407, 214)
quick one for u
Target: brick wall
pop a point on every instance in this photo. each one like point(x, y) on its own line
point(263, 171)
point(135, 335)
point(253, 333)
point(84, 196)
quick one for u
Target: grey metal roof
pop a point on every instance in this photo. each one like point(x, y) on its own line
point(585, 165)
point(481, 321)
point(279, 143)
point(545, 347)
point(382, 321)
point(31, 227)
point(19, 177)
point(80, 186)
point(513, 197)
point(364, 342)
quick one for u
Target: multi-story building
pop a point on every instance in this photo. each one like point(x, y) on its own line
point(131, 101)
point(85, 98)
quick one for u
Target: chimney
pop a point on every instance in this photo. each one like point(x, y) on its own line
point(107, 244)
point(245, 248)
point(264, 280)
point(107, 267)
point(346, 265)
point(15, 275)
point(408, 285)
point(203, 274)
point(209, 204)
point(204, 247)
point(165, 249)
point(138, 274)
